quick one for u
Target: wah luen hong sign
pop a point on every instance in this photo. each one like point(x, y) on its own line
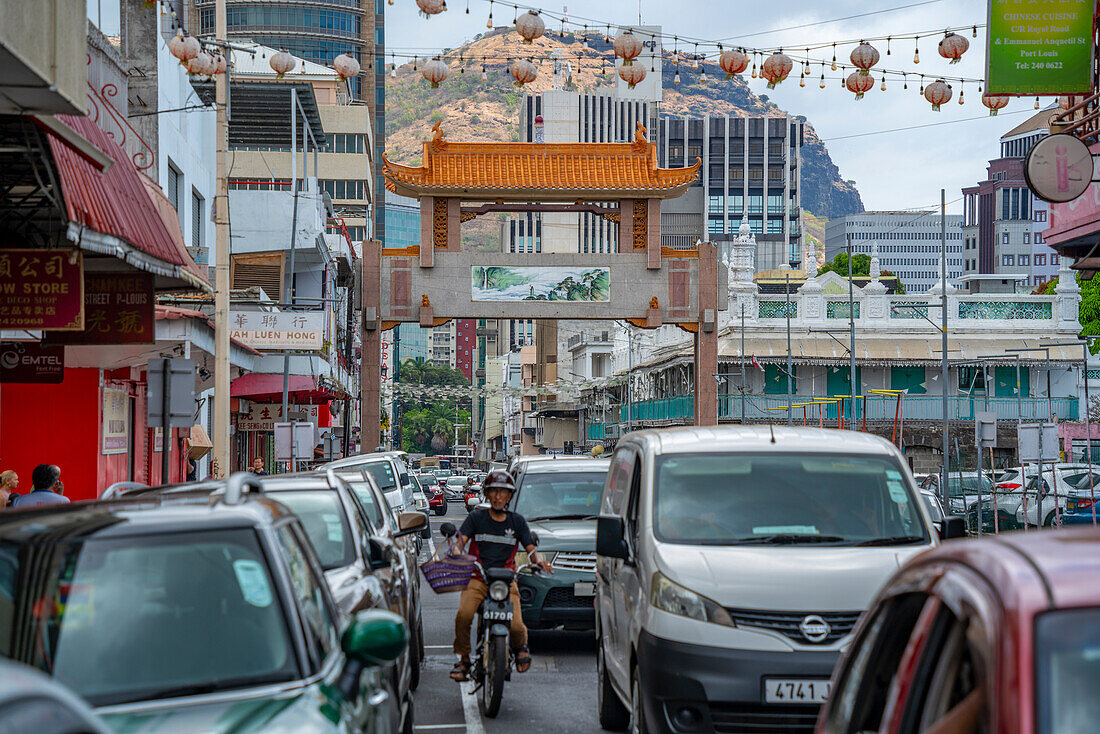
point(280, 331)
point(41, 289)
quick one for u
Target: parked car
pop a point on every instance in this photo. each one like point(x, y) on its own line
point(997, 635)
point(420, 497)
point(193, 614)
point(1070, 480)
point(31, 701)
point(389, 473)
point(561, 500)
point(746, 555)
point(1082, 508)
point(934, 505)
point(401, 573)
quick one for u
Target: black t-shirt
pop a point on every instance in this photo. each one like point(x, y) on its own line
point(495, 543)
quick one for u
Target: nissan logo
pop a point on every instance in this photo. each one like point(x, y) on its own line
point(814, 628)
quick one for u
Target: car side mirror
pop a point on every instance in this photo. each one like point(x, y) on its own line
point(611, 538)
point(448, 530)
point(952, 526)
point(405, 481)
point(372, 637)
point(410, 522)
point(377, 558)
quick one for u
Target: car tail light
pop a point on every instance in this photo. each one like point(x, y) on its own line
point(1080, 504)
point(1008, 485)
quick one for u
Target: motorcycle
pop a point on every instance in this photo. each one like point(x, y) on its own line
point(492, 658)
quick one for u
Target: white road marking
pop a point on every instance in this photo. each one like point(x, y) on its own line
point(470, 710)
point(440, 726)
point(431, 546)
point(438, 647)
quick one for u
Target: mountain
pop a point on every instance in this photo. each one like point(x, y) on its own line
point(473, 109)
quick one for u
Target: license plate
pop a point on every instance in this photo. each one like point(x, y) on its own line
point(494, 615)
point(584, 588)
point(796, 690)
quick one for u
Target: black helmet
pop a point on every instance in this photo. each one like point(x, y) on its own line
point(498, 479)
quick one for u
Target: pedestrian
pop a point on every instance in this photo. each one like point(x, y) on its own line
point(9, 480)
point(46, 479)
point(192, 470)
point(258, 467)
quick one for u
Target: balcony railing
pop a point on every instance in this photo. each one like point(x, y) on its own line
point(762, 408)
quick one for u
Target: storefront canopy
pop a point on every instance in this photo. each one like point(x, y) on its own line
point(303, 389)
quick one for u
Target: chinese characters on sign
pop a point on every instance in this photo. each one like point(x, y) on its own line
point(264, 416)
point(285, 330)
point(31, 362)
point(1039, 47)
point(41, 289)
point(116, 421)
point(118, 309)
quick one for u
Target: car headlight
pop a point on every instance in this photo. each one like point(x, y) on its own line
point(498, 591)
point(670, 597)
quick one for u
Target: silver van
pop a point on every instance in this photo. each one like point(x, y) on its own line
point(733, 563)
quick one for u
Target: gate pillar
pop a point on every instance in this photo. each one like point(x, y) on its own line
point(370, 368)
point(706, 338)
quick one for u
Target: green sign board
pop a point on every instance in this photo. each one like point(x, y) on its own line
point(1040, 47)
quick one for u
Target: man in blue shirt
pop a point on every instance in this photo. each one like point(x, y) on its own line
point(46, 478)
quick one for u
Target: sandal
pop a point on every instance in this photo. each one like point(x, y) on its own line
point(460, 673)
point(523, 659)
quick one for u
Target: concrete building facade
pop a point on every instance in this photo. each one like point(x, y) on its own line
point(909, 243)
point(1003, 223)
point(750, 166)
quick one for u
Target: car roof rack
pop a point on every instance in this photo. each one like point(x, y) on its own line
point(119, 488)
point(238, 484)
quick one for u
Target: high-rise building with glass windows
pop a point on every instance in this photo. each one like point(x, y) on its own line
point(319, 31)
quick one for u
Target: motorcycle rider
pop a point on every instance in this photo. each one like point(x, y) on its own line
point(495, 534)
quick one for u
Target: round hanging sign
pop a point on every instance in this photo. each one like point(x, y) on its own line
point(1058, 168)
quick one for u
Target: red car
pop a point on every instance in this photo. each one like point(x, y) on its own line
point(997, 636)
point(437, 500)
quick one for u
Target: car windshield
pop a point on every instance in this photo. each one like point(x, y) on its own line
point(324, 521)
point(382, 471)
point(933, 506)
point(1010, 476)
point(968, 485)
point(747, 498)
point(1067, 644)
point(456, 482)
point(560, 494)
point(141, 618)
point(442, 473)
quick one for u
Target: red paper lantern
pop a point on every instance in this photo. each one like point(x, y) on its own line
point(530, 26)
point(202, 65)
point(184, 47)
point(864, 56)
point(346, 66)
point(938, 93)
point(627, 47)
point(523, 71)
point(994, 102)
point(858, 83)
point(776, 68)
point(632, 74)
point(431, 7)
point(953, 46)
point(435, 71)
point(282, 63)
point(733, 62)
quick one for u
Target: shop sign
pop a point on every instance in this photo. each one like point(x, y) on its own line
point(116, 421)
point(264, 416)
point(1058, 168)
point(118, 309)
point(41, 289)
point(283, 330)
point(1039, 47)
point(23, 362)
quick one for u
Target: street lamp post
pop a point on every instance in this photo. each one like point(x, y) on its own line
point(943, 329)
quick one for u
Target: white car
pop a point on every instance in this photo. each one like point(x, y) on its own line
point(1069, 480)
point(746, 555)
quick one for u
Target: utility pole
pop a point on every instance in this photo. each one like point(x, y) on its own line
point(743, 386)
point(943, 329)
point(220, 461)
point(790, 367)
point(851, 335)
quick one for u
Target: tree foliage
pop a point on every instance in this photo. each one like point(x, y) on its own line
point(861, 266)
point(428, 425)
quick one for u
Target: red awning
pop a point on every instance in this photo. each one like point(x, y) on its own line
point(114, 203)
point(303, 389)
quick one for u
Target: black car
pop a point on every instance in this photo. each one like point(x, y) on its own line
point(179, 610)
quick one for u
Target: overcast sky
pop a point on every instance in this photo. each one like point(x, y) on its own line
point(894, 170)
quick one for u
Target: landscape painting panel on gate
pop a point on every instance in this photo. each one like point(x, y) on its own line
point(540, 283)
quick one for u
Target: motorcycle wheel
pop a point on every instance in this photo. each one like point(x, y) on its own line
point(496, 666)
point(439, 511)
